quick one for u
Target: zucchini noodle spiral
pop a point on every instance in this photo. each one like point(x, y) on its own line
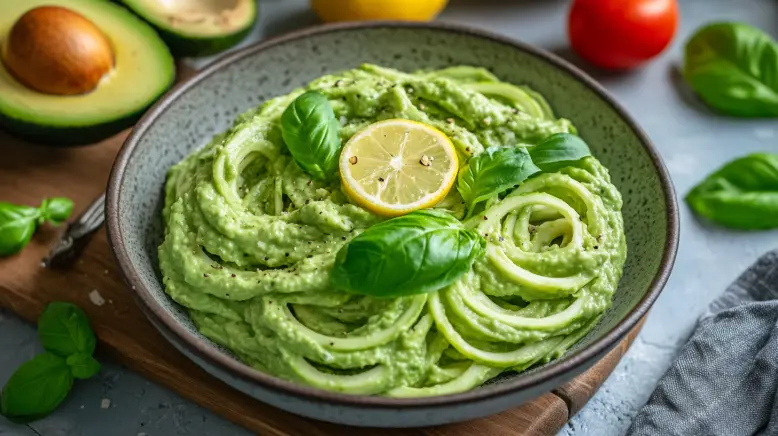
point(250, 240)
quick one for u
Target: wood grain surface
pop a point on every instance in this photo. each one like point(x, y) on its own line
point(29, 173)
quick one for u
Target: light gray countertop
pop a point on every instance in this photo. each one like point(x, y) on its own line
point(691, 140)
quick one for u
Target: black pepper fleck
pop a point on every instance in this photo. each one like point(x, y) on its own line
point(485, 218)
point(233, 275)
point(205, 275)
point(343, 238)
point(380, 179)
point(286, 254)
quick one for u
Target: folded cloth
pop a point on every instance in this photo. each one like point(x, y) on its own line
point(725, 379)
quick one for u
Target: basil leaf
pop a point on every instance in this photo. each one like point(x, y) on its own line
point(493, 171)
point(17, 225)
point(36, 388)
point(63, 329)
point(312, 134)
point(57, 209)
point(83, 366)
point(416, 253)
point(559, 150)
point(743, 194)
point(732, 67)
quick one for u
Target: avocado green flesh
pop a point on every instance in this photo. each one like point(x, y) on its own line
point(198, 27)
point(250, 239)
point(143, 70)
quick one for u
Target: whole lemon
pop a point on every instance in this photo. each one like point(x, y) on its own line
point(359, 10)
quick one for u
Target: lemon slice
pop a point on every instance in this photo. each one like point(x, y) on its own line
point(394, 167)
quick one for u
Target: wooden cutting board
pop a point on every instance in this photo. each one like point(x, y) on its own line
point(29, 173)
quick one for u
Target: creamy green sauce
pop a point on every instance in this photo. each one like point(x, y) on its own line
point(250, 240)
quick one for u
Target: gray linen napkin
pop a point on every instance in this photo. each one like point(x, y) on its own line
point(725, 379)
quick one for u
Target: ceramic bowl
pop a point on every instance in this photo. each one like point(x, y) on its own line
point(188, 116)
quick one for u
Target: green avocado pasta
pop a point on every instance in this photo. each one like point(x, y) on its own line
point(250, 239)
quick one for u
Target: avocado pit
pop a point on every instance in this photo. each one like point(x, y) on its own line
point(54, 50)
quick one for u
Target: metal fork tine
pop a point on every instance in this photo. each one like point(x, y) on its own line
point(75, 238)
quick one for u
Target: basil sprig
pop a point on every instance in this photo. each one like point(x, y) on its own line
point(493, 171)
point(63, 329)
point(18, 223)
point(39, 386)
point(559, 150)
point(312, 134)
point(420, 252)
point(497, 169)
point(743, 194)
point(732, 67)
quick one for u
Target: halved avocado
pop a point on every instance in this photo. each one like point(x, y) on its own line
point(142, 70)
point(198, 27)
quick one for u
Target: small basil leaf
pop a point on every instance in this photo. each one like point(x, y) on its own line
point(732, 67)
point(743, 194)
point(416, 253)
point(17, 225)
point(36, 388)
point(83, 366)
point(63, 329)
point(57, 209)
point(493, 171)
point(559, 150)
point(312, 134)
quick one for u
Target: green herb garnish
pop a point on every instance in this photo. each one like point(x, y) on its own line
point(64, 329)
point(416, 253)
point(39, 386)
point(493, 171)
point(18, 223)
point(743, 194)
point(732, 67)
point(558, 150)
point(497, 169)
point(312, 134)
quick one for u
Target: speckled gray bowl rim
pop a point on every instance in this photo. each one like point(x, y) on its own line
point(205, 350)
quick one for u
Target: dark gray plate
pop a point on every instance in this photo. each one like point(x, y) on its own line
point(207, 103)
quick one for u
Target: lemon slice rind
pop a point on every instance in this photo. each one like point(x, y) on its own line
point(423, 161)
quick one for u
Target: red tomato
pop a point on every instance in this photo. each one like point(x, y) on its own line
point(621, 34)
